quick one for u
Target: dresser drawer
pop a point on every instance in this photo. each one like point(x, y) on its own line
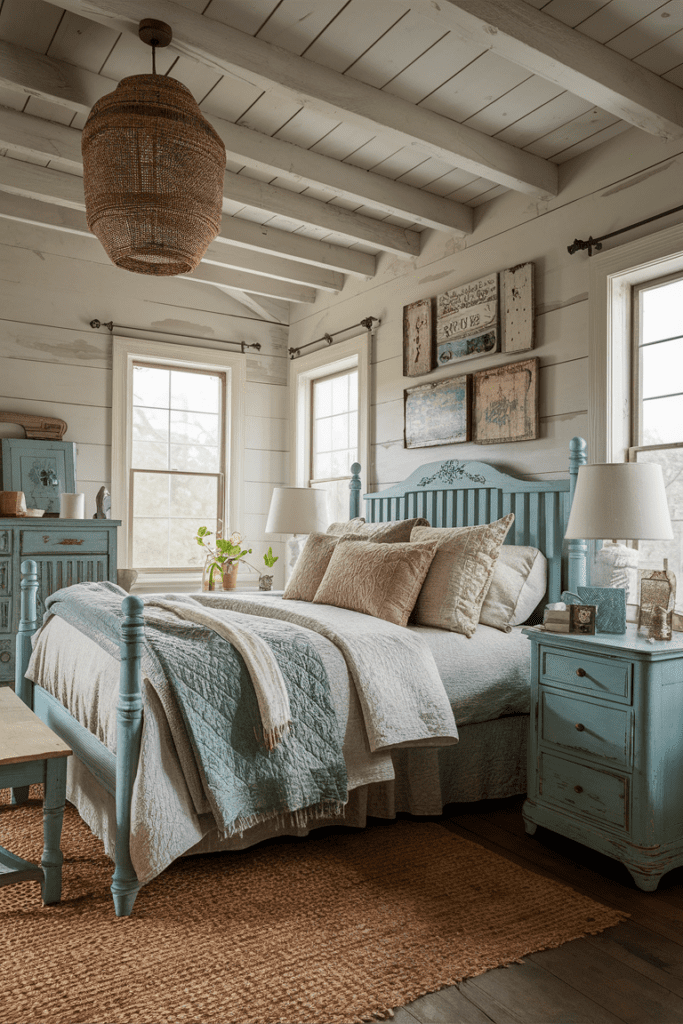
point(596, 675)
point(584, 791)
point(6, 659)
point(594, 730)
point(64, 541)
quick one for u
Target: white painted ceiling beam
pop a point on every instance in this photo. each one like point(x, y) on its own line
point(255, 304)
point(47, 185)
point(226, 49)
point(547, 47)
point(265, 153)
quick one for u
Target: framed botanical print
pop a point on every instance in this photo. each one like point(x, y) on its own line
point(41, 469)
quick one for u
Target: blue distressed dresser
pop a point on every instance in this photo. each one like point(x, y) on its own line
point(606, 746)
point(66, 551)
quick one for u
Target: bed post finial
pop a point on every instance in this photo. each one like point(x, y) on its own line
point(125, 885)
point(578, 549)
point(28, 624)
point(355, 489)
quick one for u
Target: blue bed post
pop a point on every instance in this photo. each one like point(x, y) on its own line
point(354, 491)
point(28, 624)
point(578, 549)
point(125, 885)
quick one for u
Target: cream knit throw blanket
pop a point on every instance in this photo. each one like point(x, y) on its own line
point(269, 686)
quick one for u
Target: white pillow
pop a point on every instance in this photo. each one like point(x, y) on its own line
point(518, 586)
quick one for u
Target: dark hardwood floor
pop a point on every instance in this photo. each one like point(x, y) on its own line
point(632, 973)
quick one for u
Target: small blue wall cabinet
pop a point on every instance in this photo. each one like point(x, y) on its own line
point(606, 746)
point(66, 551)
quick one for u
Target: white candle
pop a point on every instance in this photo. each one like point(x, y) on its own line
point(72, 506)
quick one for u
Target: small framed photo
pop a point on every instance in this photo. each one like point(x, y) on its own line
point(418, 344)
point(582, 619)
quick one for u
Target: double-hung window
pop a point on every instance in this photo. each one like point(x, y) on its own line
point(177, 454)
point(657, 402)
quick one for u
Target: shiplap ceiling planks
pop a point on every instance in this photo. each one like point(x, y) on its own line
point(350, 125)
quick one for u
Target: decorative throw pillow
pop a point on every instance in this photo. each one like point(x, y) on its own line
point(397, 531)
point(337, 529)
point(518, 586)
point(378, 579)
point(460, 574)
point(310, 567)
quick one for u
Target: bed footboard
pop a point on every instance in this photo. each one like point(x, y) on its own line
point(125, 883)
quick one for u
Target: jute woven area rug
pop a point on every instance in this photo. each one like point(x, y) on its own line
point(313, 931)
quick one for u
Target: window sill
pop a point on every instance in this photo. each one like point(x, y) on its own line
point(183, 583)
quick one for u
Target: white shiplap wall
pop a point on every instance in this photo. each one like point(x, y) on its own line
point(52, 284)
point(626, 180)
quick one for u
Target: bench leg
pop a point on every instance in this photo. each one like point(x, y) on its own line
point(53, 814)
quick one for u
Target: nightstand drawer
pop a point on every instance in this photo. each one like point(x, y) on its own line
point(584, 791)
point(66, 540)
point(599, 676)
point(595, 730)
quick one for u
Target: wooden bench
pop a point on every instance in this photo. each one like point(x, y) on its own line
point(31, 753)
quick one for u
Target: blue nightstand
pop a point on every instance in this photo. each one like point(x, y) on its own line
point(606, 747)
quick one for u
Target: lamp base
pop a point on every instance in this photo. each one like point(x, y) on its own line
point(616, 565)
point(293, 548)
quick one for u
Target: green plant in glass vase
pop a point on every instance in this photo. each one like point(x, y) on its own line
point(222, 558)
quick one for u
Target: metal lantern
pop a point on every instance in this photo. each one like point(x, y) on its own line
point(153, 171)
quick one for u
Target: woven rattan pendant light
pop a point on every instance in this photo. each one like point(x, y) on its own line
point(152, 171)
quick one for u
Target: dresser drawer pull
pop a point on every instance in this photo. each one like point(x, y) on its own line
point(71, 541)
point(579, 727)
point(578, 789)
point(581, 672)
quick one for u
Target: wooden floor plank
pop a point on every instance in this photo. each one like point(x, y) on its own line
point(535, 996)
point(611, 984)
point(448, 1004)
point(646, 952)
point(403, 1016)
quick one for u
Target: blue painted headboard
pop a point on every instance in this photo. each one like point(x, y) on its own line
point(455, 493)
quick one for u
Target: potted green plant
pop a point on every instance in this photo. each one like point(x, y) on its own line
point(265, 581)
point(222, 559)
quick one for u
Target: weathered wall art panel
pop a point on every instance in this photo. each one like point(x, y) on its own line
point(505, 403)
point(41, 469)
point(467, 320)
point(438, 413)
point(418, 346)
point(517, 308)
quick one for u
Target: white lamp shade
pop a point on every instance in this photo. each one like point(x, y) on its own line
point(297, 510)
point(622, 500)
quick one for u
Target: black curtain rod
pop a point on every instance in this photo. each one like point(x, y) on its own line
point(242, 345)
point(329, 338)
point(596, 243)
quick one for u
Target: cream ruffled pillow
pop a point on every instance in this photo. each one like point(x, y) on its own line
point(377, 579)
point(460, 574)
point(519, 583)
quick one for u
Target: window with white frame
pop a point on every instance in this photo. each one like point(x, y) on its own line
point(334, 437)
point(177, 453)
point(329, 419)
point(657, 402)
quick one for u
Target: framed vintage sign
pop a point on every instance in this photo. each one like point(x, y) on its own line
point(467, 320)
point(41, 469)
point(505, 403)
point(517, 308)
point(418, 347)
point(438, 413)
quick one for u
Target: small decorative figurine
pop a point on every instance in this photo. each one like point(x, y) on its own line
point(103, 501)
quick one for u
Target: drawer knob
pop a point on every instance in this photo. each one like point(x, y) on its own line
point(581, 672)
point(579, 727)
point(5, 656)
point(578, 789)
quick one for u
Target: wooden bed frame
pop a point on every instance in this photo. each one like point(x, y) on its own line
point(448, 493)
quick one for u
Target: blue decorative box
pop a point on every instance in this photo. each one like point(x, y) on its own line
point(610, 603)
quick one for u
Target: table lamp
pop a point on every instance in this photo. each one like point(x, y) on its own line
point(297, 511)
point(624, 500)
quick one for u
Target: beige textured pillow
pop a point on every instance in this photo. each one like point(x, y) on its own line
point(460, 574)
point(518, 586)
point(378, 579)
point(310, 567)
point(397, 531)
point(338, 529)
